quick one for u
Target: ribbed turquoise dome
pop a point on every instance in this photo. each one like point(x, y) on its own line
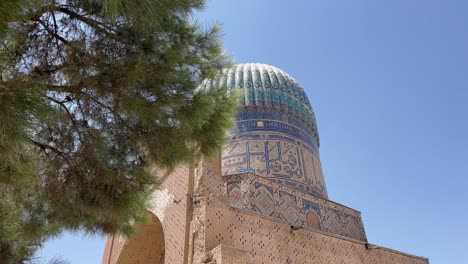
point(269, 93)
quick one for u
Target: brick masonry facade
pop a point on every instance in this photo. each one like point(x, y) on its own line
point(223, 232)
point(263, 199)
point(265, 196)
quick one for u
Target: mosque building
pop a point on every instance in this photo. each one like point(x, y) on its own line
point(263, 199)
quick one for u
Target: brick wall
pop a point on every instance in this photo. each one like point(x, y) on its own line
point(223, 234)
point(270, 241)
point(265, 239)
point(266, 196)
point(169, 208)
point(173, 220)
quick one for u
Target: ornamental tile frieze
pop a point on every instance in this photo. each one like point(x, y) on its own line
point(254, 193)
point(279, 157)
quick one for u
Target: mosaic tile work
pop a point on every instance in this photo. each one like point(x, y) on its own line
point(274, 126)
point(287, 160)
point(264, 196)
point(269, 93)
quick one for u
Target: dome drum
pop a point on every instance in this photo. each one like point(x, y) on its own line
point(275, 135)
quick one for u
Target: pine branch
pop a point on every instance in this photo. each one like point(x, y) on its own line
point(92, 93)
point(51, 32)
point(45, 147)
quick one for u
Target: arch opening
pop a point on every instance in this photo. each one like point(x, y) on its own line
point(146, 245)
point(312, 220)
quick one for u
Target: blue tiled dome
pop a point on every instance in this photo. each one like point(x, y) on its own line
point(269, 93)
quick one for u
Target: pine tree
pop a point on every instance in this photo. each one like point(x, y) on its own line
point(92, 94)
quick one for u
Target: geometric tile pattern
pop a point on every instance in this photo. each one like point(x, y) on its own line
point(285, 209)
point(235, 194)
point(287, 160)
point(262, 200)
point(270, 198)
point(311, 206)
point(267, 125)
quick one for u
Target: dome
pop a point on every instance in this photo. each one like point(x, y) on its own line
point(269, 93)
point(275, 136)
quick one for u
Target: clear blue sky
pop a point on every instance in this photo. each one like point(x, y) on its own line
point(388, 81)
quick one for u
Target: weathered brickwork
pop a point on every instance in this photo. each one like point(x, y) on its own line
point(265, 239)
point(223, 254)
point(169, 211)
point(269, 241)
point(228, 235)
point(263, 199)
point(174, 217)
point(267, 197)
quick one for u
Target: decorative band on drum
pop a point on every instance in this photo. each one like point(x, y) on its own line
point(276, 126)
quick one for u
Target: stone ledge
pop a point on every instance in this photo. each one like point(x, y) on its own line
point(223, 254)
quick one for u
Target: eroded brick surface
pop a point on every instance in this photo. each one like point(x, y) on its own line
point(243, 204)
